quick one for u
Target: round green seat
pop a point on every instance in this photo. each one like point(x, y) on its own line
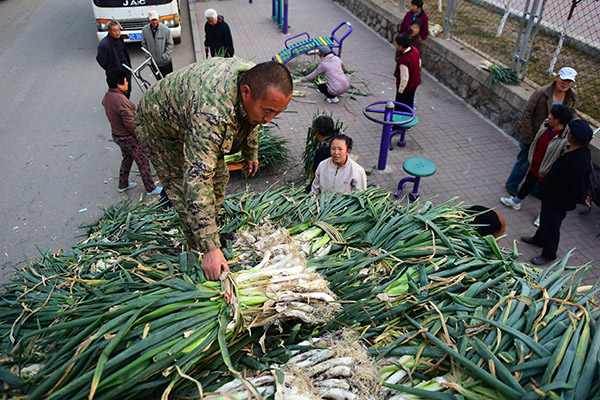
point(418, 168)
point(401, 118)
point(401, 129)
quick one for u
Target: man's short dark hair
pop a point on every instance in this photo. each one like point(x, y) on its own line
point(113, 23)
point(265, 75)
point(418, 3)
point(403, 41)
point(115, 78)
point(562, 113)
point(347, 139)
point(324, 125)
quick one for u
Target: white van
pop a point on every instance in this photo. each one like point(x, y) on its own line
point(133, 15)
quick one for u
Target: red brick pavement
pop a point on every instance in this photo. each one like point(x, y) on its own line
point(472, 156)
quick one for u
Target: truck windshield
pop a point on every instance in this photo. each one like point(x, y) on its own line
point(130, 3)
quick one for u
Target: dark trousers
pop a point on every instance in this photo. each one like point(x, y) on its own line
point(548, 234)
point(407, 98)
point(166, 69)
point(528, 185)
point(323, 89)
point(132, 151)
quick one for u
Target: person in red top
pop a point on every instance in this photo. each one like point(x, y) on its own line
point(120, 111)
point(550, 143)
point(408, 71)
point(415, 39)
point(416, 12)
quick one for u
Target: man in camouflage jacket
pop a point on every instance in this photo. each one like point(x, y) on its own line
point(189, 120)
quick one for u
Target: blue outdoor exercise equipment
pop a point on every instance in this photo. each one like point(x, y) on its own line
point(294, 48)
point(280, 14)
point(394, 123)
point(418, 168)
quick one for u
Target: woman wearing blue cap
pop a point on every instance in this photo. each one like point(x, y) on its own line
point(333, 68)
point(566, 185)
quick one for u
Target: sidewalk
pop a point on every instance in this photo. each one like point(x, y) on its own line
point(473, 158)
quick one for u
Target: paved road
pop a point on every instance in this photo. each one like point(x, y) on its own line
point(57, 164)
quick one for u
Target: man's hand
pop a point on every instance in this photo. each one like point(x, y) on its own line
point(213, 263)
point(251, 167)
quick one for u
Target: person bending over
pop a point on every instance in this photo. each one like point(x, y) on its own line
point(333, 68)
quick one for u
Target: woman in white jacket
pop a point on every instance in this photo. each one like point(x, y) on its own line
point(339, 173)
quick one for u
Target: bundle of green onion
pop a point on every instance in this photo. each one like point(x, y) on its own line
point(271, 150)
point(502, 74)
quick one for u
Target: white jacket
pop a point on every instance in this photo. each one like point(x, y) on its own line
point(349, 178)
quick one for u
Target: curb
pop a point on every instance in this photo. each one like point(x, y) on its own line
point(198, 48)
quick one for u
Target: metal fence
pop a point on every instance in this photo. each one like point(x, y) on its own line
point(534, 37)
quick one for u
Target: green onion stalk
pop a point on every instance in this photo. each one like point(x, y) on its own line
point(272, 150)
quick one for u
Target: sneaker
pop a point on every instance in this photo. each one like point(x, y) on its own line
point(335, 100)
point(329, 100)
point(130, 186)
point(155, 191)
point(509, 202)
point(536, 221)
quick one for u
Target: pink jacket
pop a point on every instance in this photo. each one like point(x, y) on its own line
point(333, 68)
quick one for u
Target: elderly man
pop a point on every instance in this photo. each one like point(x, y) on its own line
point(189, 120)
point(217, 35)
point(112, 53)
point(566, 185)
point(157, 39)
point(537, 109)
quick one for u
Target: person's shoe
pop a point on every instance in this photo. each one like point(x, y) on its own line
point(164, 201)
point(130, 186)
point(530, 240)
point(335, 100)
point(329, 100)
point(155, 191)
point(509, 202)
point(512, 192)
point(536, 221)
point(540, 260)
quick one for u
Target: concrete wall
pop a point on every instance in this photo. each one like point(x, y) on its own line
point(455, 65)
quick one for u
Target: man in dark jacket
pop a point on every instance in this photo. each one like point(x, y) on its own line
point(566, 185)
point(112, 53)
point(217, 36)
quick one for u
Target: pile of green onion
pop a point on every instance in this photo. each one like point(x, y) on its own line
point(441, 312)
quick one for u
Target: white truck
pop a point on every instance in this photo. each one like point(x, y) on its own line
point(133, 15)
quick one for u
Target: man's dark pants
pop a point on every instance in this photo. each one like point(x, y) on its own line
point(548, 234)
point(166, 69)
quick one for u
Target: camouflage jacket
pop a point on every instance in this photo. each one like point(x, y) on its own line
point(200, 106)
